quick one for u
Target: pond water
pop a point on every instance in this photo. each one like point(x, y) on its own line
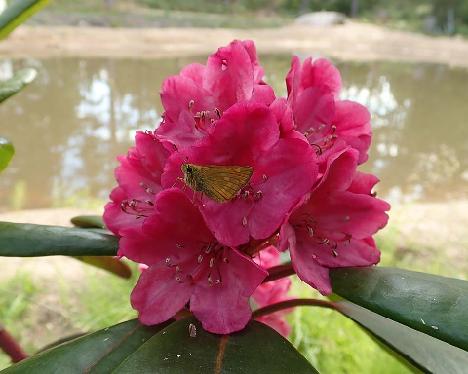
point(70, 124)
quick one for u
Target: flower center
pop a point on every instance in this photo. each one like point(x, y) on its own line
point(203, 267)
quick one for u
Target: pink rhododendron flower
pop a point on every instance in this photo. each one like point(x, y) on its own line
point(283, 171)
point(139, 178)
point(334, 226)
point(187, 264)
point(303, 193)
point(200, 94)
point(272, 292)
point(318, 114)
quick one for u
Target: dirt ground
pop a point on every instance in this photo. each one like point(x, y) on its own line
point(352, 41)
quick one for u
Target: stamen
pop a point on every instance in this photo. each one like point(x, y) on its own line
point(264, 177)
point(191, 103)
point(218, 112)
point(258, 195)
point(223, 64)
point(212, 260)
point(334, 253)
point(168, 260)
point(310, 230)
point(200, 259)
point(244, 221)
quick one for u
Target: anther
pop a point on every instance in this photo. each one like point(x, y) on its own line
point(179, 245)
point(210, 281)
point(244, 221)
point(190, 104)
point(246, 194)
point(310, 230)
point(218, 112)
point(177, 268)
point(264, 177)
point(334, 253)
point(168, 260)
point(223, 64)
point(258, 195)
point(225, 260)
point(212, 260)
point(200, 259)
point(217, 281)
point(178, 278)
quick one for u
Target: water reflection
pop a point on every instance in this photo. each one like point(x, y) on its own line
point(80, 113)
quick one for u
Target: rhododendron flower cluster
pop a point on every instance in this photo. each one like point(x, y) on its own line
point(304, 194)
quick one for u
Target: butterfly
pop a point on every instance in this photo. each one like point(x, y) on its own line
point(220, 183)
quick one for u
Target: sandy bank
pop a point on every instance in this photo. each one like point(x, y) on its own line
point(352, 40)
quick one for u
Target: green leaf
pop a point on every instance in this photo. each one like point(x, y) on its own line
point(256, 349)
point(28, 240)
point(15, 84)
point(435, 305)
point(99, 352)
point(168, 348)
point(6, 153)
point(18, 12)
point(111, 264)
point(425, 352)
point(88, 222)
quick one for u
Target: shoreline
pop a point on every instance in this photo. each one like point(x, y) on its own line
point(354, 41)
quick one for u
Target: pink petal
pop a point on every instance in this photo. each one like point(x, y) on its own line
point(321, 73)
point(224, 308)
point(230, 75)
point(352, 121)
point(307, 268)
point(290, 167)
point(353, 253)
point(277, 322)
point(313, 108)
point(158, 296)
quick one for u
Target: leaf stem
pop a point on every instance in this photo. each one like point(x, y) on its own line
point(9, 345)
point(280, 271)
point(269, 309)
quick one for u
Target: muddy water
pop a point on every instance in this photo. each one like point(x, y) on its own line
point(69, 125)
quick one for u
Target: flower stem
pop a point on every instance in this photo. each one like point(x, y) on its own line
point(269, 309)
point(9, 345)
point(280, 271)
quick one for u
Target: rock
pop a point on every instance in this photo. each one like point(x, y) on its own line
point(320, 19)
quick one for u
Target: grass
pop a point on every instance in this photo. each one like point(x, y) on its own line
point(38, 314)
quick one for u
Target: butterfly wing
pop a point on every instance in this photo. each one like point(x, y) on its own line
point(222, 183)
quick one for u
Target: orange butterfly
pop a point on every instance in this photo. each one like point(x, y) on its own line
point(220, 183)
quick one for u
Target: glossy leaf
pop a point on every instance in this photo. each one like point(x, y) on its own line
point(28, 240)
point(15, 84)
point(170, 348)
point(17, 13)
point(423, 351)
point(6, 153)
point(437, 306)
point(99, 352)
point(256, 349)
point(88, 222)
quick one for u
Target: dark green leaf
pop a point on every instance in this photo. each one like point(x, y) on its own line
point(99, 352)
point(28, 240)
point(17, 13)
point(256, 349)
point(88, 222)
point(16, 83)
point(6, 153)
point(132, 348)
point(437, 306)
point(108, 263)
point(425, 352)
